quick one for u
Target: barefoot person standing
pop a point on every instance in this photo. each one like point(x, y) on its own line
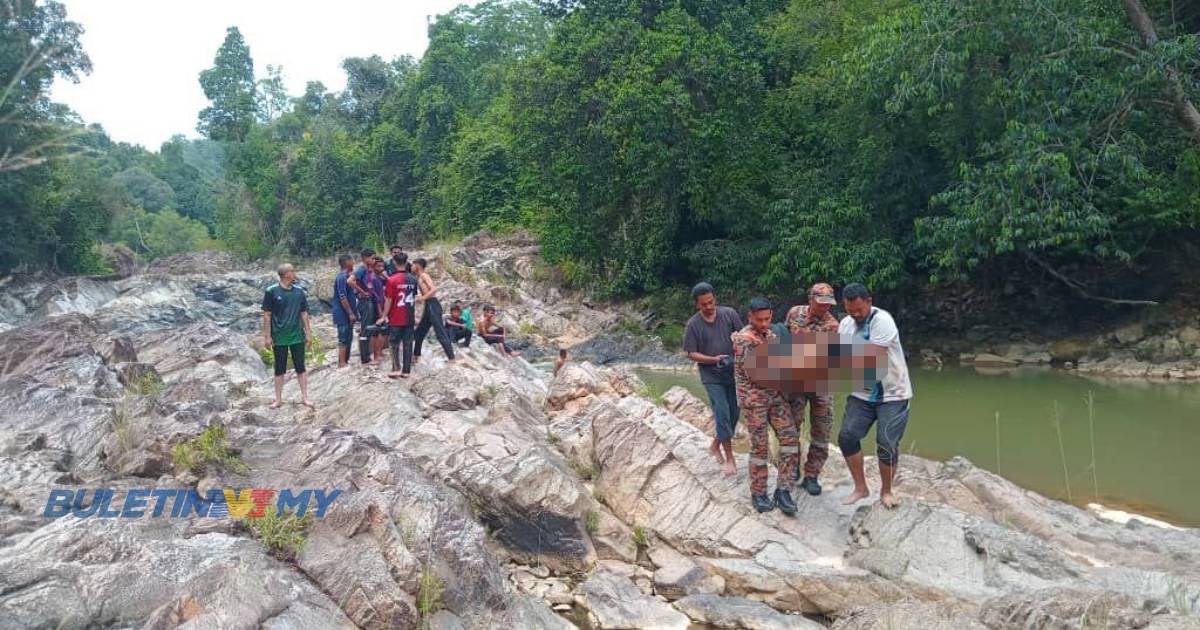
point(884, 400)
point(706, 340)
point(286, 330)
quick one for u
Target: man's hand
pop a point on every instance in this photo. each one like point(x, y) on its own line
point(353, 318)
point(267, 341)
point(308, 339)
point(380, 321)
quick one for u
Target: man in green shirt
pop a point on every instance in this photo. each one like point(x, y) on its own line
point(286, 329)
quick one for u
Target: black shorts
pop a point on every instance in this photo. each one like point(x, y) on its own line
point(281, 357)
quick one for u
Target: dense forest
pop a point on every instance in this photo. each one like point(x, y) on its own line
point(1046, 150)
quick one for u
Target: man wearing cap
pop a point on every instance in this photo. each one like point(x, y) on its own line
point(814, 317)
point(707, 341)
point(765, 407)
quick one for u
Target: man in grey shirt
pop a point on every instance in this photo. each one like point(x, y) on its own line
point(707, 340)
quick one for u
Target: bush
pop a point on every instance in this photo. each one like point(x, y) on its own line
point(283, 536)
point(210, 447)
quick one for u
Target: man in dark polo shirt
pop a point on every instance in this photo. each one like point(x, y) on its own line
point(286, 330)
point(707, 340)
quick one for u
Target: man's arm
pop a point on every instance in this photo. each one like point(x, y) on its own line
point(691, 347)
point(308, 335)
point(267, 302)
point(387, 308)
point(267, 329)
point(451, 322)
point(704, 359)
point(342, 297)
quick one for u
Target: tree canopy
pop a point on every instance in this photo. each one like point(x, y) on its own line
point(1046, 151)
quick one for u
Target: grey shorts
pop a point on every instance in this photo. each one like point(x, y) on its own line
point(892, 418)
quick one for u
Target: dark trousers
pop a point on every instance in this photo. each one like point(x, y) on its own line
point(366, 317)
point(722, 397)
point(401, 336)
point(462, 334)
point(281, 357)
point(433, 318)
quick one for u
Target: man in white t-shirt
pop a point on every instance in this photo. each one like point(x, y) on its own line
point(884, 399)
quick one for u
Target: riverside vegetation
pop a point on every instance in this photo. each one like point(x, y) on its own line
point(980, 161)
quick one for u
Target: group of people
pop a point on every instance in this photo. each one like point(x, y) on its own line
point(716, 339)
point(382, 297)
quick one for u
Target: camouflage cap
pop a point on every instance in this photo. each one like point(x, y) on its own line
point(822, 293)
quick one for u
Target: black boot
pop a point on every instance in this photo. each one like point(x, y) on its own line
point(762, 503)
point(783, 499)
point(811, 486)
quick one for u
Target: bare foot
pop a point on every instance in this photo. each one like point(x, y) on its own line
point(714, 449)
point(856, 496)
point(730, 469)
point(514, 354)
point(395, 374)
point(889, 500)
point(404, 375)
point(276, 404)
point(308, 403)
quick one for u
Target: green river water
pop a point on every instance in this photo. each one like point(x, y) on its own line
point(1146, 435)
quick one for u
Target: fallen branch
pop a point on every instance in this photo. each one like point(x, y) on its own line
point(1188, 115)
point(1079, 289)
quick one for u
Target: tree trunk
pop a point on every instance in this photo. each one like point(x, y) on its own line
point(1188, 115)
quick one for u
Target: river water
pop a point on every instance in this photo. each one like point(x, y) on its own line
point(1145, 436)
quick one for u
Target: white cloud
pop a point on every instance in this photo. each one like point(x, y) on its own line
point(147, 54)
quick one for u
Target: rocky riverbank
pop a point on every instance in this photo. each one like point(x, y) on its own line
point(1163, 345)
point(485, 493)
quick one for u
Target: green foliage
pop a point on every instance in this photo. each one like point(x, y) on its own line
point(229, 86)
point(584, 470)
point(148, 384)
point(283, 535)
point(210, 447)
point(429, 595)
point(640, 540)
point(154, 235)
point(592, 521)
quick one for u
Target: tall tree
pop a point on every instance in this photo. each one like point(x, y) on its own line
point(229, 86)
point(271, 95)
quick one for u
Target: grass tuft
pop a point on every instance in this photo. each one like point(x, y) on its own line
point(148, 384)
point(210, 447)
point(1062, 451)
point(283, 536)
point(592, 521)
point(429, 598)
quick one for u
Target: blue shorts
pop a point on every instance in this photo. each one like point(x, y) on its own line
point(722, 397)
point(345, 334)
point(892, 418)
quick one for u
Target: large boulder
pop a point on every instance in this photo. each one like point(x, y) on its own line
point(617, 603)
point(737, 612)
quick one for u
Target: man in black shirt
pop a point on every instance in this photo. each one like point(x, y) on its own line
point(707, 340)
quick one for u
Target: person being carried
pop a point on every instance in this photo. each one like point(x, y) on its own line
point(286, 330)
point(431, 316)
point(493, 333)
point(885, 400)
point(457, 325)
point(366, 303)
point(345, 305)
point(560, 361)
point(765, 407)
point(814, 317)
point(399, 315)
point(707, 341)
